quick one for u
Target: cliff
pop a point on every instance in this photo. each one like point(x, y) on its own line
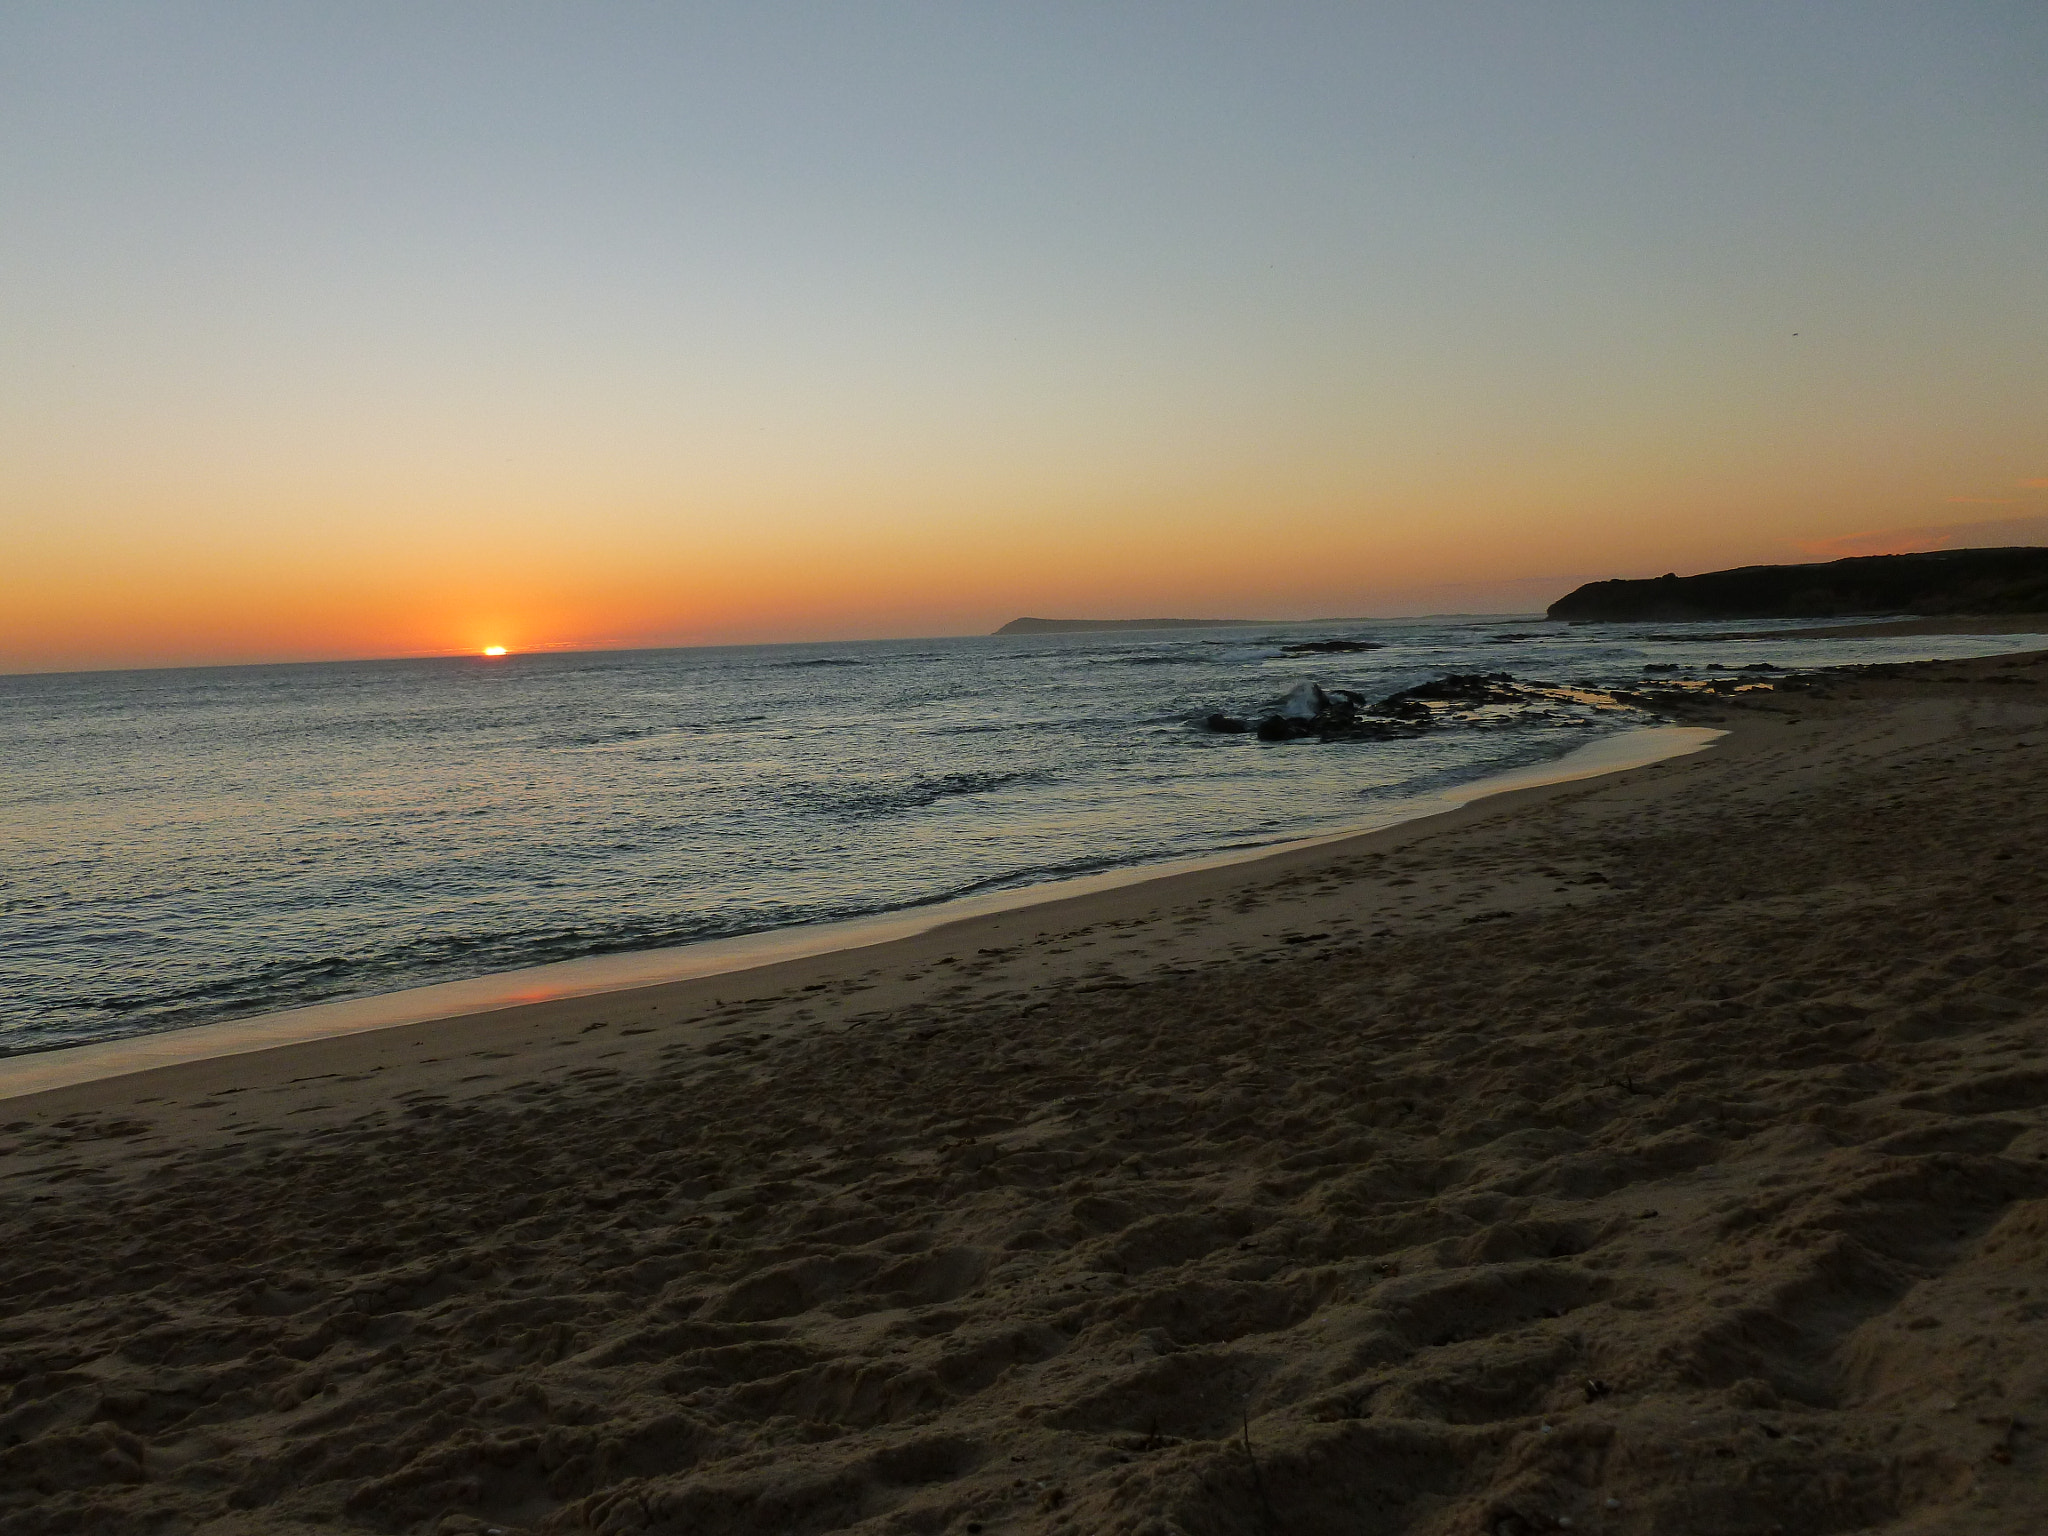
point(1941, 581)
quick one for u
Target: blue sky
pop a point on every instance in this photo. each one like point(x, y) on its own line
point(728, 321)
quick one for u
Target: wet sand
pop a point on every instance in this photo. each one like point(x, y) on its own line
point(1664, 1152)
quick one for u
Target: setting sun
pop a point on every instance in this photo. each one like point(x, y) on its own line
point(494, 650)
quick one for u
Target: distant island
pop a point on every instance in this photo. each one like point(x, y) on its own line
point(1945, 581)
point(1078, 626)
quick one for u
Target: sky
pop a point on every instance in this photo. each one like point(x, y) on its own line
point(371, 329)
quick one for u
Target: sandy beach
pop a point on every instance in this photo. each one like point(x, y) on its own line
point(1662, 1152)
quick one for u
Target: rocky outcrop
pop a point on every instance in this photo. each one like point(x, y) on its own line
point(1983, 581)
point(1338, 714)
point(1458, 688)
point(1306, 709)
point(1330, 647)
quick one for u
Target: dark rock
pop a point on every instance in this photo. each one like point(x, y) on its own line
point(1398, 706)
point(1329, 714)
point(1226, 725)
point(1304, 703)
point(1320, 707)
point(1329, 647)
point(1338, 714)
point(1660, 666)
point(1458, 688)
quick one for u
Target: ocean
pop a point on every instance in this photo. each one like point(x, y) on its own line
point(182, 846)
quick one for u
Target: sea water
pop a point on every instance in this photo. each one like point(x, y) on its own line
point(180, 846)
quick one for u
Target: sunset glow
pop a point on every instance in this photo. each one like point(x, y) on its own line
point(332, 334)
point(494, 650)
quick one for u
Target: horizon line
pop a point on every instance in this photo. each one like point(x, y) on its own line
point(727, 645)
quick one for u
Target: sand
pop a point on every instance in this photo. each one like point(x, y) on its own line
point(1664, 1152)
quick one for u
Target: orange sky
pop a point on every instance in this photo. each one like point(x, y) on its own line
point(338, 334)
point(318, 596)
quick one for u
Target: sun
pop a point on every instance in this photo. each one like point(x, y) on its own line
point(494, 650)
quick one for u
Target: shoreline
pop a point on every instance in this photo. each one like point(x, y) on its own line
point(1659, 1150)
point(2015, 624)
point(41, 1069)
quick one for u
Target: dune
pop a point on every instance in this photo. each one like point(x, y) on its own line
point(1665, 1151)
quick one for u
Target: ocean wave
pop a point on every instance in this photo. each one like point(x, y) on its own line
point(297, 982)
point(287, 835)
point(613, 736)
point(888, 799)
point(995, 727)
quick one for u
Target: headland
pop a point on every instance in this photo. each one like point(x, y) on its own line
point(1945, 581)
